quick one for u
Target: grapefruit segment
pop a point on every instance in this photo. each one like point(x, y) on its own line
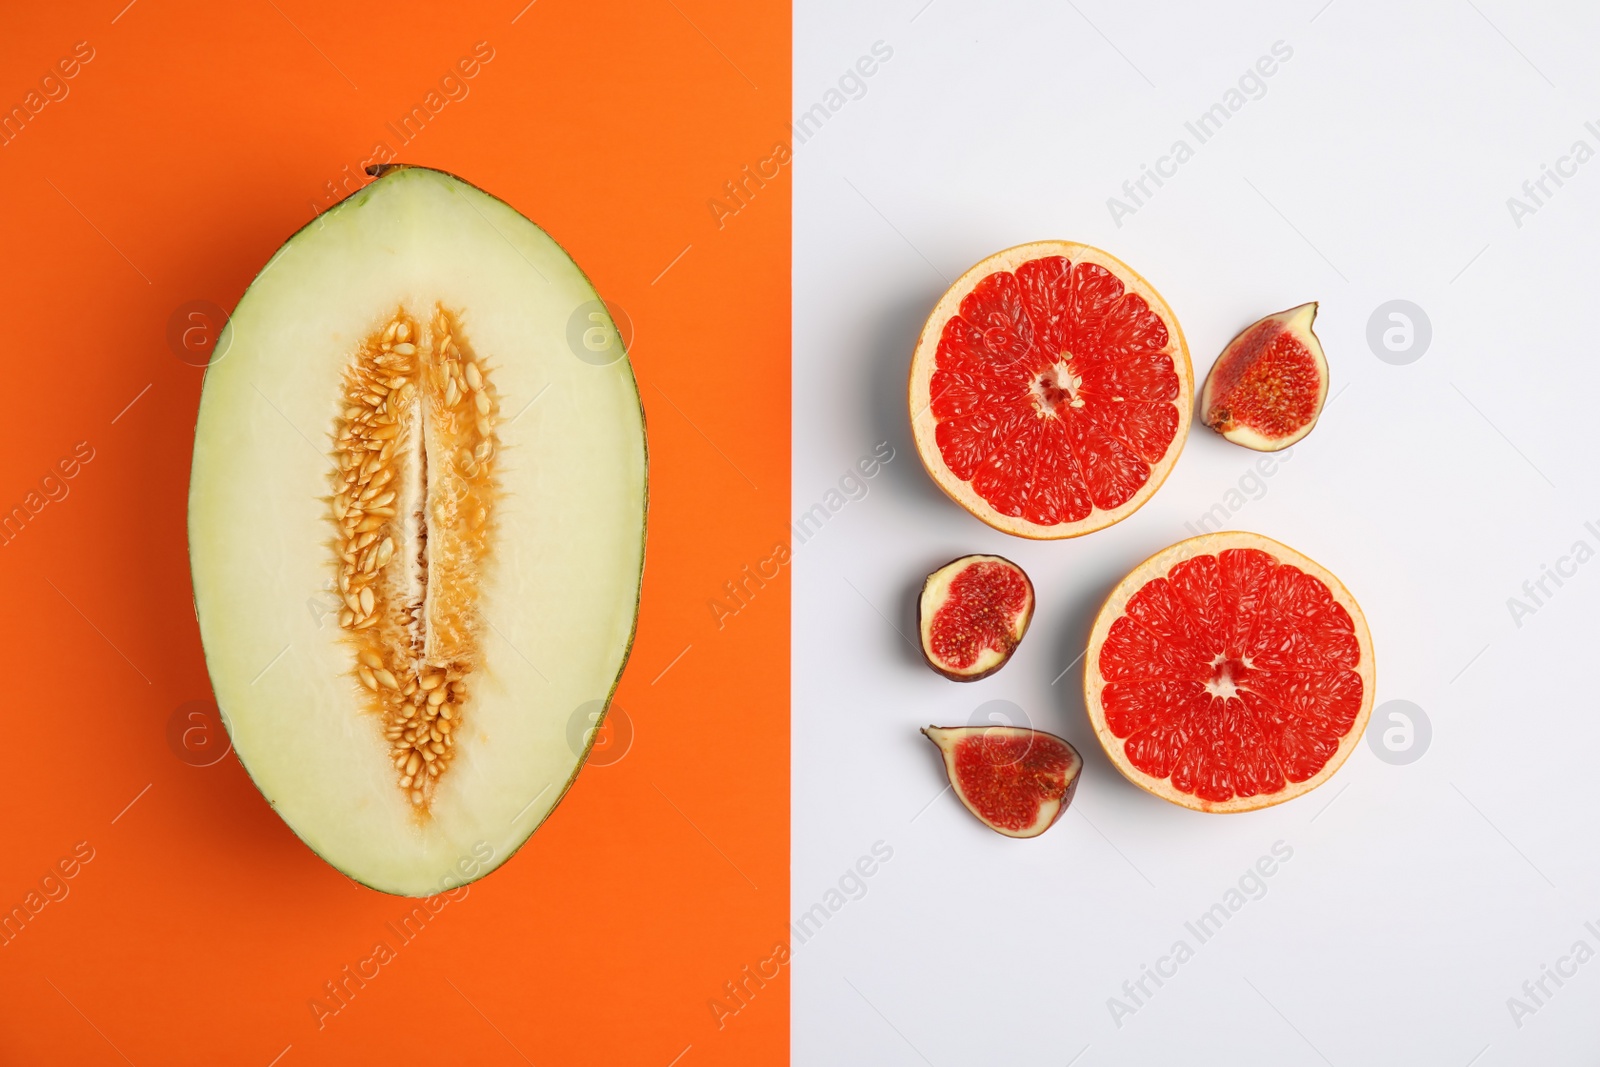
point(972, 614)
point(1017, 781)
point(1228, 673)
point(1050, 390)
point(1267, 388)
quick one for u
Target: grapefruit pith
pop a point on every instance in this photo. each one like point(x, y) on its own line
point(1228, 673)
point(1051, 390)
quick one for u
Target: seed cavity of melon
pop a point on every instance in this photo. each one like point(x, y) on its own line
point(415, 449)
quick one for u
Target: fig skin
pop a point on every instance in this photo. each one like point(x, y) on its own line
point(1027, 620)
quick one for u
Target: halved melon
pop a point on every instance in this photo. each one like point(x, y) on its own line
point(416, 528)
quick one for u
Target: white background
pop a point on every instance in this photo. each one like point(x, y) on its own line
point(1376, 166)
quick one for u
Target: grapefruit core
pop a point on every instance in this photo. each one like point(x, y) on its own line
point(1051, 390)
point(1228, 673)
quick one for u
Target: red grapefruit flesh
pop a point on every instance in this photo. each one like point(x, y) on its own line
point(972, 614)
point(1229, 673)
point(1017, 781)
point(1267, 388)
point(1051, 390)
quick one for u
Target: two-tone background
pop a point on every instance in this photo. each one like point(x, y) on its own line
point(761, 862)
point(145, 192)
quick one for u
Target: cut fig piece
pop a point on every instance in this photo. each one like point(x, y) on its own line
point(409, 576)
point(1267, 388)
point(972, 614)
point(1017, 781)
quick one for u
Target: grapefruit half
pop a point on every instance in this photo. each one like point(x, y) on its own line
point(1228, 673)
point(1051, 390)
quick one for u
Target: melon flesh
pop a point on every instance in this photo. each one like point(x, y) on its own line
point(506, 515)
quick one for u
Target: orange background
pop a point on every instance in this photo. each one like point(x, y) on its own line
point(195, 141)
